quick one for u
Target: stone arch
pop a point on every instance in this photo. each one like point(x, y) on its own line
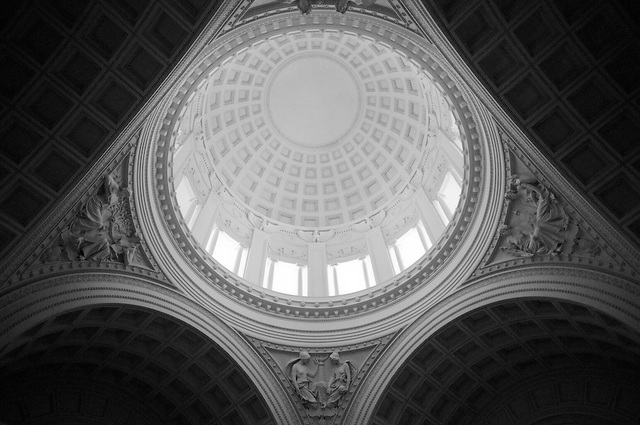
point(157, 347)
point(608, 303)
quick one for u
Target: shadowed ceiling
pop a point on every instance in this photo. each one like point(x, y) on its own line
point(566, 72)
point(72, 75)
point(123, 365)
point(525, 362)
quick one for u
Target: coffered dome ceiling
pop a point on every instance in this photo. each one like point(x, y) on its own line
point(315, 128)
point(317, 145)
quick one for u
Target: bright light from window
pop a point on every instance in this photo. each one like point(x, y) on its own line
point(228, 252)
point(285, 277)
point(454, 125)
point(450, 192)
point(425, 236)
point(350, 276)
point(305, 282)
point(441, 212)
point(410, 249)
point(186, 197)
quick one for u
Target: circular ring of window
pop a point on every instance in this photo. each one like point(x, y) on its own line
point(321, 167)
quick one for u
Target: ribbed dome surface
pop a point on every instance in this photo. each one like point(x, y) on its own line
point(315, 128)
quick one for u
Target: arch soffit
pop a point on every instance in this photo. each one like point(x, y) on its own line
point(609, 294)
point(37, 302)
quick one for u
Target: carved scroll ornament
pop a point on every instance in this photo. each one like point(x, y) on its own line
point(540, 224)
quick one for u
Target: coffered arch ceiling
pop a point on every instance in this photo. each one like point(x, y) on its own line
point(526, 361)
point(72, 76)
point(566, 73)
point(122, 364)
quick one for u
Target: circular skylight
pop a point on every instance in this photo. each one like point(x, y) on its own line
point(317, 162)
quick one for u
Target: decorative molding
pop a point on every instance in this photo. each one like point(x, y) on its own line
point(540, 224)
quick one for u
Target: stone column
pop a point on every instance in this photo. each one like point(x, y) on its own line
point(452, 154)
point(206, 219)
point(257, 257)
point(396, 250)
point(181, 158)
point(433, 224)
point(317, 273)
point(379, 252)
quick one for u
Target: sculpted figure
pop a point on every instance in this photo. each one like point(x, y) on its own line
point(302, 376)
point(520, 244)
point(341, 5)
point(339, 381)
point(321, 382)
point(304, 6)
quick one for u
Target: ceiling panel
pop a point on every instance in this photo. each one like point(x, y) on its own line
point(72, 75)
point(566, 72)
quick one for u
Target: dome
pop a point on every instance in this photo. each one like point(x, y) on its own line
point(316, 162)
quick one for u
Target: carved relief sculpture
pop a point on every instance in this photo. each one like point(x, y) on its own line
point(339, 381)
point(321, 383)
point(302, 375)
point(540, 224)
point(101, 231)
point(341, 5)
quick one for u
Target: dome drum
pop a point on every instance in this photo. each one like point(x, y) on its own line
point(275, 193)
